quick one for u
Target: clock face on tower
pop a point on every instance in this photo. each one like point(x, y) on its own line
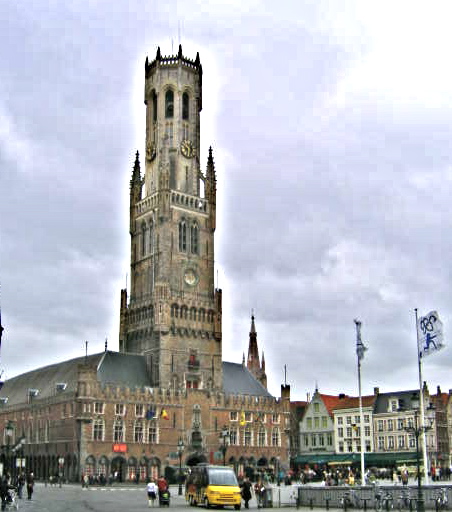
point(187, 149)
point(190, 277)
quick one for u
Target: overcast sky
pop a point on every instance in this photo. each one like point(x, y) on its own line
point(331, 126)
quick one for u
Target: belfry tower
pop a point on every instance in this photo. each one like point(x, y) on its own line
point(173, 314)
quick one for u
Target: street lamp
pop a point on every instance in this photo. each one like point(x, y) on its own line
point(417, 430)
point(9, 431)
point(225, 437)
point(180, 451)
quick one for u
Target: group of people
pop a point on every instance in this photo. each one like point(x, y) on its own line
point(7, 487)
point(155, 489)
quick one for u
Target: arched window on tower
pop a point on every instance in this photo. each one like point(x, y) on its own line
point(182, 236)
point(143, 239)
point(169, 104)
point(154, 106)
point(185, 106)
point(151, 237)
point(194, 239)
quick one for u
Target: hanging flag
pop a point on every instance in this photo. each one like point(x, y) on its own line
point(430, 334)
point(360, 348)
point(164, 415)
point(242, 418)
point(150, 414)
point(1, 327)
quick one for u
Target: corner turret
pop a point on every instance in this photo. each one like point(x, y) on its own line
point(211, 189)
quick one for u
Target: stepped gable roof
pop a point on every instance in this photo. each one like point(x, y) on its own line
point(238, 380)
point(403, 397)
point(352, 402)
point(112, 368)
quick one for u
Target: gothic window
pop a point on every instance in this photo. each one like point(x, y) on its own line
point(172, 178)
point(151, 237)
point(233, 437)
point(154, 106)
point(174, 311)
point(183, 312)
point(98, 408)
point(143, 241)
point(139, 410)
point(152, 434)
point(118, 431)
point(194, 239)
point(182, 236)
point(261, 437)
point(169, 103)
point(192, 313)
point(275, 437)
point(185, 106)
point(120, 409)
point(247, 437)
point(98, 430)
point(138, 432)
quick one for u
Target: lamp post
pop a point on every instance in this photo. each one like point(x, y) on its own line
point(225, 437)
point(417, 430)
point(180, 451)
point(9, 431)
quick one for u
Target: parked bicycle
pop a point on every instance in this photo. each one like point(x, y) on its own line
point(441, 499)
point(350, 499)
point(383, 500)
point(404, 500)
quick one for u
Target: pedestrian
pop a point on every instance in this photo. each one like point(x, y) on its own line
point(4, 490)
point(259, 491)
point(20, 484)
point(246, 491)
point(152, 490)
point(30, 485)
point(162, 484)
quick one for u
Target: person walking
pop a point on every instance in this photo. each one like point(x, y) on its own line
point(151, 489)
point(30, 485)
point(246, 491)
point(20, 484)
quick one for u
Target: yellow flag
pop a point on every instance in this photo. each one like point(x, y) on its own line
point(242, 418)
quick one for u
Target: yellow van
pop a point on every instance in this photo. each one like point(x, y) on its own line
point(212, 486)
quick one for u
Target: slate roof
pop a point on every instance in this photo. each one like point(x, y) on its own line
point(238, 380)
point(404, 398)
point(113, 368)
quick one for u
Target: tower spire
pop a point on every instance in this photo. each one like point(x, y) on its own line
point(253, 363)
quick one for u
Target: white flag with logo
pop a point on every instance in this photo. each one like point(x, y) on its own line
point(430, 334)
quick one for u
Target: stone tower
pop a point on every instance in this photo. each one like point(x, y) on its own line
point(173, 314)
point(253, 364)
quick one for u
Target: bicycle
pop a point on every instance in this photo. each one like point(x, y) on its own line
point(350, 499)
point(404, 501)
point(383, 502)
point(441, 499)
point(12, 501)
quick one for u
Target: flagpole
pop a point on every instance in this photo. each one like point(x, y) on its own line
point(360, 354)
point(421, 402)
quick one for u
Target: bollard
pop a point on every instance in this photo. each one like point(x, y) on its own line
point(327, 501)
point(311, 503)
point(365, 503)
point(297, 501)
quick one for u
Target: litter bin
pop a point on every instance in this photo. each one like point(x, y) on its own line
point(267, 501)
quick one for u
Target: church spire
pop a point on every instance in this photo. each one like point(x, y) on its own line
point(253, 363)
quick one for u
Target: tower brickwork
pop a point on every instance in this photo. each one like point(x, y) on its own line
point(173, 313)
